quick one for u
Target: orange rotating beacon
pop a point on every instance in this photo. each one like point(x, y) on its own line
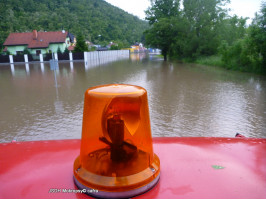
point(116, 156)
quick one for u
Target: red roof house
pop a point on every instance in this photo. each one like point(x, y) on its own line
point(37, 42)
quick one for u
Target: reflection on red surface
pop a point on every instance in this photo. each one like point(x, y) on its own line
point(32, 169)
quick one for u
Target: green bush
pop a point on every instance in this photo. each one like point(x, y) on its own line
point(240, 56)
point(114, 47)
point(26, 51)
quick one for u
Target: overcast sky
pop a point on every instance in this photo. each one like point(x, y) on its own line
point(245, 8)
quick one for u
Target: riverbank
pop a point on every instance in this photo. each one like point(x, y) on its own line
point(216, 60)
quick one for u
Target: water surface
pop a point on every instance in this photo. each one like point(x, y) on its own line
point(184, 99)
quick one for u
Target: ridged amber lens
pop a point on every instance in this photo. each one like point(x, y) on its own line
point(116, 154)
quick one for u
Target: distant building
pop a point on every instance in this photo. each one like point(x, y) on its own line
point(38, 42)
point(137, 47)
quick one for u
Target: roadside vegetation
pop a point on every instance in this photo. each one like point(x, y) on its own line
point(203, 32)
point(215, 60)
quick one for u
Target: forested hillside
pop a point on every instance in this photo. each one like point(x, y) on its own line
point(97, 20)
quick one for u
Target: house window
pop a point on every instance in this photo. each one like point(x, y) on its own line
point(19, 52)
point(38, 52)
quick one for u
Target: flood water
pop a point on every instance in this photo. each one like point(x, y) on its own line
point(184, 99)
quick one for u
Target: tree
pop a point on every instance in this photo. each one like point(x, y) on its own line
point(162, 9)
point(163, 35)
point(66, 50)
point(232, 29)
point(8, 52)
point(81, 45)
point(249, 52)
point(205, 16)
point(258, 37)
point(114, 47)
point(186, 33)
point(162, 17)
point(59, 50)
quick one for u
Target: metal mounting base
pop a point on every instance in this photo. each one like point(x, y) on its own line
point(109, 195)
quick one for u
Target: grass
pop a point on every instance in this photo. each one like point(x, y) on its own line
point(215, 60)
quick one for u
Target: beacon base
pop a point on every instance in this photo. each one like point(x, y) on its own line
point(114, 195)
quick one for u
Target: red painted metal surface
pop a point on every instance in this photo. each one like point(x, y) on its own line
point(190, 168)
